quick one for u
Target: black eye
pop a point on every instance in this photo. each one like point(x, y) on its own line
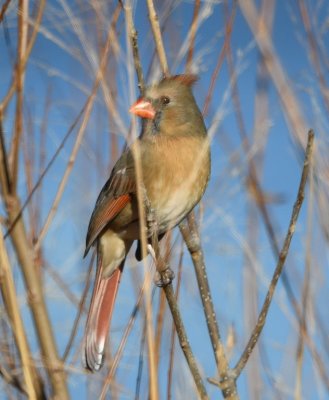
point(165, 100)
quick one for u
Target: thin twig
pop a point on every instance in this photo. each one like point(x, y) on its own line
point(282, 257)
point(117, 357)
point(4, 9)
point(157, 37)
point(258, 362)
point(192, 34)
point(134, 45)
point(44, 173)
point(314, 52)
point(306, 288)
point(29, 47)
point(20, 74)
point(173, 336)
point(264, 42)
point(80, 310)
point(4, 165)
point(12, 380)
point(140, 362)
point(76, 147)
point(227, 38)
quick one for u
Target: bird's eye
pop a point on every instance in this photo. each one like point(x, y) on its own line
point(165, 100)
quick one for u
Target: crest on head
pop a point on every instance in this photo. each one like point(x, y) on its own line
point(184, 79)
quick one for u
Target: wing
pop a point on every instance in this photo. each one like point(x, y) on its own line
point(114, 196)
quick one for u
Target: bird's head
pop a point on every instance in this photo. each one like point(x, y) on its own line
point(169, 104)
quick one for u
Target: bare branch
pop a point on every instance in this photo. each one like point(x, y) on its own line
point(10, 298)
point(157, 37)
point(4, 9)
point(20, 73)
point(193, 242)
point(134, 44)
point(192, 34)
point(282, 258)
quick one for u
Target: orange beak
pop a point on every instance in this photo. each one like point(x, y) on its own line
point(143, 108)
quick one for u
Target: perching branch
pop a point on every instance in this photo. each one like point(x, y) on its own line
point(227, 384)
point(162, 269)
point(153, 378)
point(191, 236)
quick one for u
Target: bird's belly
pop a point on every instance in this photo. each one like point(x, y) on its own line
point(171, 208)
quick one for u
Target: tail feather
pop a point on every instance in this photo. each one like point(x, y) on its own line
point(99, 317)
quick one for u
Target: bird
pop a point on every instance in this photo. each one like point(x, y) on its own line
point(175, 163)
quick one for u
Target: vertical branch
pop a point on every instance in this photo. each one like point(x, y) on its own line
point(157, 37)
point(263, 40)
point(134, 45)
point(227, 383)
point(10, 299)
point(153, 379)
point(159, 327)
point(221, 57)
point(33, 284)
point(37, 302)
point(184, 342)
point(4, 165)
point(168, 288)
point(193, 29)
point(21, 46)
point(172, 338)
point(162, 268)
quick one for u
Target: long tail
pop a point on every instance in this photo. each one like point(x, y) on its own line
point(99, 316)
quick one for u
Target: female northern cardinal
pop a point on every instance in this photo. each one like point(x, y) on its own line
point(175, 161)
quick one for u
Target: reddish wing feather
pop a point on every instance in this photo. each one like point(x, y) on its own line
point(104, 215)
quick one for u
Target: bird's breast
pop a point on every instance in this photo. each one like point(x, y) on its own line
point(176, 173)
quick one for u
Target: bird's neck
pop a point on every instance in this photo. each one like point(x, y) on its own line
point(152, 128)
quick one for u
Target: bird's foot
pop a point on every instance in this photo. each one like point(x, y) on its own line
point(164, 278)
